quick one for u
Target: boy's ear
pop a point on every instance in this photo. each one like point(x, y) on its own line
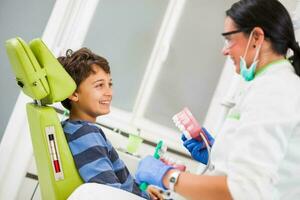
point(73, 97)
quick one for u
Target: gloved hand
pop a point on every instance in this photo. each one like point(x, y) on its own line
point(151, 171)
point(198, 149)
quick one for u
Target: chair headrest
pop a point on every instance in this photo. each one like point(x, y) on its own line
point(38, 72)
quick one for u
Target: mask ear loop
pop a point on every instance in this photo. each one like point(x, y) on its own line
point(248, 44)
point(257, 51)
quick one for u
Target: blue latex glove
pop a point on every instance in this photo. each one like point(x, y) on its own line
point(198, 149)
point(151, 171)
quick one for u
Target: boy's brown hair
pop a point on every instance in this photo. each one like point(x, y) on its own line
point(79, 65)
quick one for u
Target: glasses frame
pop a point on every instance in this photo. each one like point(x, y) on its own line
point(227, 43)
point(232, 32)
point(236, 31)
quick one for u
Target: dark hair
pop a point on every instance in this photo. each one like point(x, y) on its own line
point(79, 65)
point(274, 19)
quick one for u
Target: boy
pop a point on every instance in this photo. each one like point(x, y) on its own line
point(94, 156)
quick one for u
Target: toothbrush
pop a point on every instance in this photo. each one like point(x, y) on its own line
point(188, 125)
point(160, 149)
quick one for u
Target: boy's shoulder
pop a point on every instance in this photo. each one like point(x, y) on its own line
point(80, 127)
point(72, 126)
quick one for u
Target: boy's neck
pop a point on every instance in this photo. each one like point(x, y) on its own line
point(81, 116)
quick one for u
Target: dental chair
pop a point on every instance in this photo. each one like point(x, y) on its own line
point(41, 77)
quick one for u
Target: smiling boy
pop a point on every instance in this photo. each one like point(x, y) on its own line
point(95, 158)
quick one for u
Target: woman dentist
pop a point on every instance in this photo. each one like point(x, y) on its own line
point(256, 155)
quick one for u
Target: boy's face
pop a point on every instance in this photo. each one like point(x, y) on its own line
point(93, 96)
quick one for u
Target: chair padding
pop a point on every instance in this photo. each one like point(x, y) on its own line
point(29, 74)
point(60, 83)
point(38, 72)
point(39, 118)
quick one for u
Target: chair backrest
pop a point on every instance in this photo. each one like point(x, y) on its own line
point(40, 76)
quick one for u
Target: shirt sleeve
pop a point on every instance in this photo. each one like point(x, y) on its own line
point(97, 161)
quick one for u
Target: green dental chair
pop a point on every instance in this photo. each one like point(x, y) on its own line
point(40, 76)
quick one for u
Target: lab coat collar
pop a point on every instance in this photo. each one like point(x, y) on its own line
point(274, 66)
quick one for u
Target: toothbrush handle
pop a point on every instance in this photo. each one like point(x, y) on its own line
point(143, 186)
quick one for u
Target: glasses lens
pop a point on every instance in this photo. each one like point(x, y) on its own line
point(227, 44)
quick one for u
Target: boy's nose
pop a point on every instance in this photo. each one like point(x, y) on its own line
point(109, 91)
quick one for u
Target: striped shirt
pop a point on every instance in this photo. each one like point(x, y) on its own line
point(96, 159)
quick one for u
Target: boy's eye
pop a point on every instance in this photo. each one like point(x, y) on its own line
point(110, 84)
point(100, 85)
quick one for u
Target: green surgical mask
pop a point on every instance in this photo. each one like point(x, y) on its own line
point(249, 73)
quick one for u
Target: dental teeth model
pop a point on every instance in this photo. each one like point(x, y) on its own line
point(188, 125)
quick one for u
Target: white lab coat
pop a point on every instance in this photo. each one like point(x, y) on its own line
point(258, 147)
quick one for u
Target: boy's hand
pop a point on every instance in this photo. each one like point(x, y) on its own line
point(155, 193)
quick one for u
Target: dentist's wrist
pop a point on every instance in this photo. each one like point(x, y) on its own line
point(167, 178)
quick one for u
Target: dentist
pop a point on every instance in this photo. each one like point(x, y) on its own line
point(256, 155)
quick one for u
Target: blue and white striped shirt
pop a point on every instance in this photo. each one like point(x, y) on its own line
point(96, 159)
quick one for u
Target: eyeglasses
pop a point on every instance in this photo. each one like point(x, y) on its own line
point(232, 32)
point(228, 43)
